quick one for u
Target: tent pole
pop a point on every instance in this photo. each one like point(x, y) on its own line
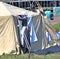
point(47, 23)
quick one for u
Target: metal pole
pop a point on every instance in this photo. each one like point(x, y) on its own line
point(44, 3)
point(25, 4)
point(12, 2)
point(29, 55)
point(19, 3)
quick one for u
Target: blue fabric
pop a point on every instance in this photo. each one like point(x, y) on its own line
point(49, 37)
point(58, 34)
point(32, 32)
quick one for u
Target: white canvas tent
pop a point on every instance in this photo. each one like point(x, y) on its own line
point(8, 27)
point(8, 34)
point(9, 30)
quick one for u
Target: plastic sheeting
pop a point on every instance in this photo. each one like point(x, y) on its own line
point(49, 37)
point(39, 29)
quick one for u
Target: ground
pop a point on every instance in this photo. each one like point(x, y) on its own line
point(56, 20)
point(32, 56)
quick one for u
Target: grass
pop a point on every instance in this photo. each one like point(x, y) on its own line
point(57, 26)
point(33, 56)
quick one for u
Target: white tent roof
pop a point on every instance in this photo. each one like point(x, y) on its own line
point(3, 10)
point(6, 9)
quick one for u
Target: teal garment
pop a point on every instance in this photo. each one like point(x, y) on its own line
point(55, 10)
point(48, 13)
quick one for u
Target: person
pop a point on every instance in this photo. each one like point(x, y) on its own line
point(22, 25)
point(24, 34)
point(27, 38)
point(51, 16)
point(33, 8)
point(28, 34)
point(48, 36)
point(48, 13)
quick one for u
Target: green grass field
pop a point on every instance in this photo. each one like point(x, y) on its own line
point(56, 26)
point(32, 56)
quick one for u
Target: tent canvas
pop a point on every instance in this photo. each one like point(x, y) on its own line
point(39, 29)
point(8, 27)
point(12, 36)
point(8, 34)
point(44, 23)
point(34, 17)
point(19, 11)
